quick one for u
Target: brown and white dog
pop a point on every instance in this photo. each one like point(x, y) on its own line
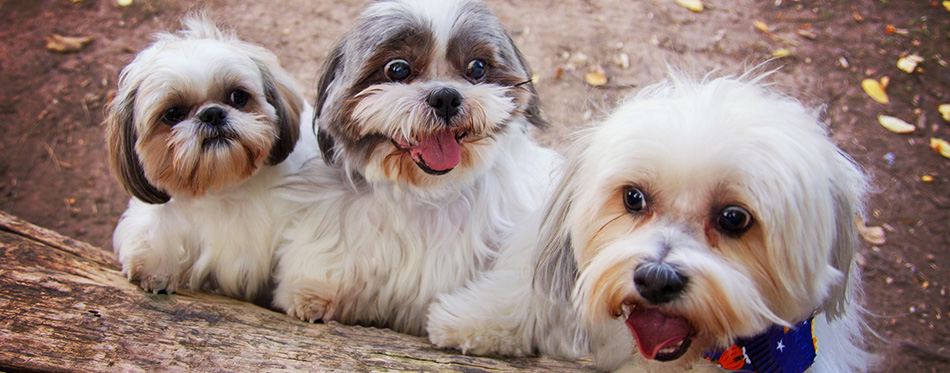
point(698, 216)
point(203, 126)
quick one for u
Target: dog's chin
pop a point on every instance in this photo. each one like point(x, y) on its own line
point(188, 164)
point(660, 335)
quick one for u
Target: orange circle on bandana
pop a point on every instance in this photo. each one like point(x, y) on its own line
point(732, 358)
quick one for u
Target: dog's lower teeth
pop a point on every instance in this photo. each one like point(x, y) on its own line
point(671, 349)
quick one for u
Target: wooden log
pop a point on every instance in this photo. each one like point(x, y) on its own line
point(64, 306)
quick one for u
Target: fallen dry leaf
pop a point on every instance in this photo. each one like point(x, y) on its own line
point(124, 2)
point(926, 178)
point(940, 146)
point(946, 4)
point(807, 34)
point(909, 63)
point(781, 52)
point(944, 110)
point(875, 89)
point(857, 16)
point(66, 44)
point(761, 26)
point(873, 235)
point(595, 79)
point(895, 125)
point(694, 5)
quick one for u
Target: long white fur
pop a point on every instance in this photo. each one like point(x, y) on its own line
point(384, 251)
point(680, 133)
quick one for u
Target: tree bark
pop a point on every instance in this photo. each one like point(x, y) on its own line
point(64, 306)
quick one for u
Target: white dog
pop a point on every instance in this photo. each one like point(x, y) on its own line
point(424, 113)
point(703, 225)
point(199, 133)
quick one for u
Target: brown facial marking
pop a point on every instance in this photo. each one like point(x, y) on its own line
point(712, 234)
point(715, 296)
point(467, 46)
point(752, 251)
point(166, 167)
point(609, 290)
point(613, 222)
point(415, 45)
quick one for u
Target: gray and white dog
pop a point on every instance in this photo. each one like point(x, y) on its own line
point(424, 116)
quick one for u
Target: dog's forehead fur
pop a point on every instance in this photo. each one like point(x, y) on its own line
point(440, 28)
point(194, 72)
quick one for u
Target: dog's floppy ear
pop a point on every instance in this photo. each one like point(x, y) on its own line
point(331, 68)
point(533, 111)
point(556, 267)
point(281, 93)
point(121, 137)
point(849, 188)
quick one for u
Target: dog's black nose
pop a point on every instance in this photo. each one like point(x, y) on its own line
point(446, 102)
point(214, 116)
point(659, 283)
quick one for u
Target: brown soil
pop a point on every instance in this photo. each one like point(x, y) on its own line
point(54, 171)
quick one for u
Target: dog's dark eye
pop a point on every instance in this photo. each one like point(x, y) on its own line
point(734, 220)
point(238, 98)
point(397, 70)
point(476, 70)
point(633, 199)
point(173, 115)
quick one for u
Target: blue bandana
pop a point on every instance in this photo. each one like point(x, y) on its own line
point(777, 350)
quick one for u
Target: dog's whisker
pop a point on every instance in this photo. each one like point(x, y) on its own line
point(523, 83)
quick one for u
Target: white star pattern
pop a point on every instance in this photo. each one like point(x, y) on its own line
point(780, 347)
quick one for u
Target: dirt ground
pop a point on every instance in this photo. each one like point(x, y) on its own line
point(54, 172)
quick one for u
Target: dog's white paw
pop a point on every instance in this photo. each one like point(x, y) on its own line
point(471, 335)
point(159, 283)
point(152, 275)
point(154, 282)
point(310, 301)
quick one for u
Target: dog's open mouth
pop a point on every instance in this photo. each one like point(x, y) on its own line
point(436, 153)
point(660, 335)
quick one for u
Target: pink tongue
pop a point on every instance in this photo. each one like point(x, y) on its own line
point(654, 330)
point(439, 151)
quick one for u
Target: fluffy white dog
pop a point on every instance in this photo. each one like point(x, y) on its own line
point(200, 132)
point(424, 113)
point(704, 225)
